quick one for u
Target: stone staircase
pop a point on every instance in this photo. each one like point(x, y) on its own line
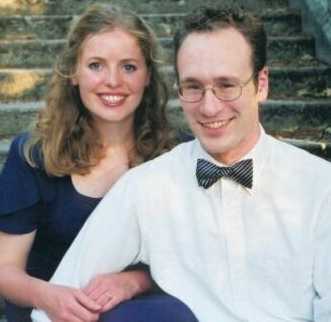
point(32, 31)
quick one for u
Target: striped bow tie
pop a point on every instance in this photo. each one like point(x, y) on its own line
point(208, 173)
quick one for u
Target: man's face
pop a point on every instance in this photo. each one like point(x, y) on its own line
point(226, 130)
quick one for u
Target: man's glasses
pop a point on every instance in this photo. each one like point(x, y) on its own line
point(227, 90)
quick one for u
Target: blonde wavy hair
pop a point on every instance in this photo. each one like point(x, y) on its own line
point(64, 134)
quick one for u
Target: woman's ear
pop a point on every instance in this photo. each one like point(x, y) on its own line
point(263, 84)
point(74, 81)
point(73, 76)
point(148, 78)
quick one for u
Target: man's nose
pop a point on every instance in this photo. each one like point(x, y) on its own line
point(210, 105)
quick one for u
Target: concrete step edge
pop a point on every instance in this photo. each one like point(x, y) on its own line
point(168, 68)
point(301, 143)
point(300, 69)
point(4, 146)
point(307, 143)
point(266, 13)
point(165, 40)
point(26, 70)
point(298, 103)
point(31, 41)
point(174, 103)
point(164, 7)
point(311, 103)
point(21, 106)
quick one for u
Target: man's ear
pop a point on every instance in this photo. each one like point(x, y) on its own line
point(263, 84)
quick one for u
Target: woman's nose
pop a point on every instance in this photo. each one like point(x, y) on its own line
point(113, 77)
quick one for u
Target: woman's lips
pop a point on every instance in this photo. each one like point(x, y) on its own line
point(112, 100)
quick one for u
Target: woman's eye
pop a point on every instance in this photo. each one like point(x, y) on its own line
point(95, 66)
point(129, 68)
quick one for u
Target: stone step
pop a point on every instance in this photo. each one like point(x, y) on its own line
point(295, 82)
point(303, 81)
point(41, 53)
point(306, 124)
point(4, 146)
point(280, 22)
point(282, 50)
point(51, 7)
point(319, 148)
point(309, 120)
point(281, 117)
point(29, 53)
point(303, 123)
point(23, 84)
point(285, 118)
point(286, 82)
point(17, 117)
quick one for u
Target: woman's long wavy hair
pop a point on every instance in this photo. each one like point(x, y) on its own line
point(64, 133)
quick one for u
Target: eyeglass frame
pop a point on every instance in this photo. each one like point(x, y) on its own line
point(211, 87)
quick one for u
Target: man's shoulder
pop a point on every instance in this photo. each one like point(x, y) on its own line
point(296, 158)
point(174, 161)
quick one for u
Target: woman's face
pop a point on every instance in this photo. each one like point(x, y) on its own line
point(111, 76)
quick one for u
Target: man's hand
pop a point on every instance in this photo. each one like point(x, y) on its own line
point(108, 290)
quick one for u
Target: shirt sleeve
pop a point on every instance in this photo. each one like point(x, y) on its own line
point(109, 241)
point(322, 265)
point(19, 192)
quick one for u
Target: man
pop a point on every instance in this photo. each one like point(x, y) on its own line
point(235, 224)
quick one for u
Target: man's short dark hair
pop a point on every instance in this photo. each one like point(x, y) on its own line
point(209, 19)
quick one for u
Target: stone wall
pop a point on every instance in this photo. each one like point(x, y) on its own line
point(316, 19)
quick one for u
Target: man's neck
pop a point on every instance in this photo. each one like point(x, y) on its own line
point(244, 147)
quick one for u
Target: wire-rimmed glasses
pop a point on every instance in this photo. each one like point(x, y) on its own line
point(225, 90)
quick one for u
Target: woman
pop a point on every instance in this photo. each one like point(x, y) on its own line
point(105, 113)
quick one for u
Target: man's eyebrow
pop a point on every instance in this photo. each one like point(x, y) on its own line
point(190, 80)
point(215, 80)
point(226, 79)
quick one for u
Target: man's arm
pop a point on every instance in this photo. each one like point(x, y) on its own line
point(322, 265)
point(108, 242)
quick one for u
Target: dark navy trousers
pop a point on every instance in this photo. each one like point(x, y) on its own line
point(150, 308)
point(144, 308)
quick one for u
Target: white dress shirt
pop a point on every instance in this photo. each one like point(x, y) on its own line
point(230, 253)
